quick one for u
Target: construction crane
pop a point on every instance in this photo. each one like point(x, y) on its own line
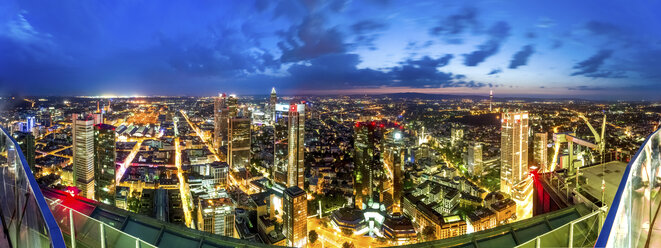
point(598, 138)
point(601, 147)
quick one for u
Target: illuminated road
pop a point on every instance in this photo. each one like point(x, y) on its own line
point(233, 181)
point(53, 152)
point(333, 238)
point(183, 185)
point(128, 160)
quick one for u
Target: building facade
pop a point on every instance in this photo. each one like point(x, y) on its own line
point(104, 163)
point(239, 142)
point(295, 208)
point(540, 154)
point(513, 149)
point(296, 142)
point(216, 215)
point(83, 153)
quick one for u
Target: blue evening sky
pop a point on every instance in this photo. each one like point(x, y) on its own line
point(590, 49)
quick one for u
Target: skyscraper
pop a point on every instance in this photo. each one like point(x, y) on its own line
point(296, 141)
point(295, 208)
point(238, 147)
point(540, 154)
point(474, 159)
point(83, 153)
point(490, 99)
point(272, 102)
point(366, 158)
point(394, 160)
point(216, 215)
point(280, 143)
point(456, 135)
point(104, 163)
point(513, 149)
point(220, 121)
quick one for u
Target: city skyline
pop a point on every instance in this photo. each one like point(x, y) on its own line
point(592, 49)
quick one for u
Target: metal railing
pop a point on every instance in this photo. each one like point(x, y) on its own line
point(631, 219)
point(581, 232)
point(26, 219)
point(84, 231)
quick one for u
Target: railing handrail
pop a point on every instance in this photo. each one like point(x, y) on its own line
point(573, 222)
point(99, 222)
point(602, 240)
point(54, 232)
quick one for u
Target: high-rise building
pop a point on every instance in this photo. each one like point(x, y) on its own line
point(280, 143)
point(540, 154)
point(104, 163)
point(456, 135)
point(26, 142)
point(83, 153)
point(232, 106)
point(490, 99)
point(238, 146)
point(393, 159)
point(474, 159)
point(272, 102)
point(296, 142)
point(366, 158)
point(513, 149)
point(295, 212)
point(220, 121)
point(216, 215)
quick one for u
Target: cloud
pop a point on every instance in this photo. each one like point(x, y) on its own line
point(590, 67)
point(602, 28)
point(366, 32)
point(585, 87)
point(415, 45)
point(556, 44)
point(340, 70)
point(310, 39)
point(521, 57)
point(497, 34)
point(453, 26)
point(495, 71)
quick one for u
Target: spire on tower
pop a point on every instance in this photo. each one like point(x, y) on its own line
point(273, 90)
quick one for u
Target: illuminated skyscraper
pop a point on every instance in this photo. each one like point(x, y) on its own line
point(456, 135)
point(365, 157)
point(272, 102)
point(540, 154)
point(474, 159)
point(104, 163)
point(220, 121)
point(238, 147)
point(393, 159)
point(296, 142)
point(513, 149)
point(83, 153)
point(490, 99)
point(216, 215)
point(280, 143)
point(295, 208)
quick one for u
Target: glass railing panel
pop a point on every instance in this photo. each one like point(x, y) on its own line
point(635, 207)
point(90, 232)
point(23, 209)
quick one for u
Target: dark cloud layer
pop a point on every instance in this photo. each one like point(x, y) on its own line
point(332, 69)
point(450, 28)
point(521, 57)
point(590, 67)
point(497, 34)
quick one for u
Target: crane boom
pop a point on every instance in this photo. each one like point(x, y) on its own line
point(597, 137)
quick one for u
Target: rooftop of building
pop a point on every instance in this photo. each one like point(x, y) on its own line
point(294, 191)
point(150, 230)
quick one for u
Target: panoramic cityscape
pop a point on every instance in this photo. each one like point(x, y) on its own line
point(330, 124)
